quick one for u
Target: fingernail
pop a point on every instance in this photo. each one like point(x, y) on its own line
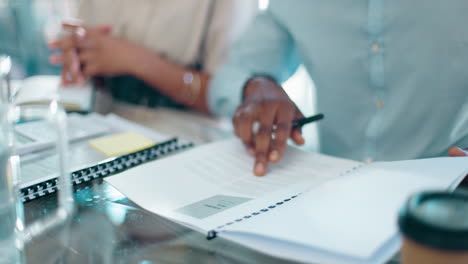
point(259, 169)
point(274, 156)
point(80, 32)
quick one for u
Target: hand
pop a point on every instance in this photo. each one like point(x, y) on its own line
point(457, 152)
point(89, 52)
point(266, 103)
point(68, 57)
point(102, 54)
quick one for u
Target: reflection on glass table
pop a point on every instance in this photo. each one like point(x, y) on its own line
point(108, 228)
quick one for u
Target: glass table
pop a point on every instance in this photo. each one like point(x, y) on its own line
point(108, 228)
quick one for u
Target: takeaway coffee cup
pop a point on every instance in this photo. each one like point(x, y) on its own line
point(435, 228)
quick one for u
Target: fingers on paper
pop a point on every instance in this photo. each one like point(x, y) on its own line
point(263, 140)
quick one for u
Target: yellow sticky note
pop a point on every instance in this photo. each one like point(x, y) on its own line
point(121, 144)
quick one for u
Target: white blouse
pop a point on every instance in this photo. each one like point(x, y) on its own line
point(186, 32)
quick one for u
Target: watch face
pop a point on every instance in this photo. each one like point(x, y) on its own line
point(447, 213)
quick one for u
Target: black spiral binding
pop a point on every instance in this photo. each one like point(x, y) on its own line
point(105, 168)
point(214, 233)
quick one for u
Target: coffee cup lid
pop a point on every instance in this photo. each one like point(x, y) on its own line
point(437, 220)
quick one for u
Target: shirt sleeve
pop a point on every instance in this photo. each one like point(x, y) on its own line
point(265, 48)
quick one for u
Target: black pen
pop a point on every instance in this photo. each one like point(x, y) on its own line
point(298, 123)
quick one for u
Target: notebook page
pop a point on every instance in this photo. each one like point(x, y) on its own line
point(353, 216)
point(219, 175)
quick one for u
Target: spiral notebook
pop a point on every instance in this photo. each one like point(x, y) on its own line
point(39, 169)
point(309, 207)
point(104, 168)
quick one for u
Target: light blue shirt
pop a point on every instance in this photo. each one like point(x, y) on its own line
point(391, 76)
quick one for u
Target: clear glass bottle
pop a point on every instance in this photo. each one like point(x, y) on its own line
point(13, 233)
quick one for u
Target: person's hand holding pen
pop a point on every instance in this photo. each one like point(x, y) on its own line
point(267, 104)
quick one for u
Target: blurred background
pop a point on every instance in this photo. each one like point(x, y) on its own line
point(27, 25)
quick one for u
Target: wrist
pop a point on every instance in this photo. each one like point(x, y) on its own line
point(140, 62)
point(257, 84)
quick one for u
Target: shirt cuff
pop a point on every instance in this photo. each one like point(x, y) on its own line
point(225, 91)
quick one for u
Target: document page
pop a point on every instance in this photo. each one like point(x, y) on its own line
point(216, 180)
point(351, 217)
